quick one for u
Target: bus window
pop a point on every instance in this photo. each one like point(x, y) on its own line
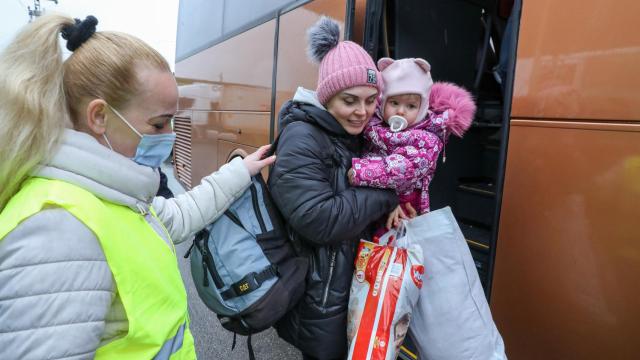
point(203, 24)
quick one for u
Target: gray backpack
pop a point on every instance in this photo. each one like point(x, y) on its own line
point(244, 266)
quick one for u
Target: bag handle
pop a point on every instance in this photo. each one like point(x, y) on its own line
point(400, 238)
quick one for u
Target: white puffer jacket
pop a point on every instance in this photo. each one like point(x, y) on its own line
point(58, 299)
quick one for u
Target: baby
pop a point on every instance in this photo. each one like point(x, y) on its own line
point(409, 130)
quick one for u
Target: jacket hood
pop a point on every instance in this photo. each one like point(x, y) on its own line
point(307, 96)
point(306, 107)
point(81, 160)
point(407, 76)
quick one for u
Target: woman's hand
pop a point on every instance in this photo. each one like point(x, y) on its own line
point(398, 214)
point(395, 216)
point(255, 162)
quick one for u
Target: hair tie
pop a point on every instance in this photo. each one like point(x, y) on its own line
point(79, 32)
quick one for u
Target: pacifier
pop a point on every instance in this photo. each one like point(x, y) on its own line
point(397, 123)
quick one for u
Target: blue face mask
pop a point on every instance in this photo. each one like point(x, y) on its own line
point(152, 150)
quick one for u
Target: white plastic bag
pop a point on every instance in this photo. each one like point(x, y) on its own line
point(385, 288)
point(452, 320)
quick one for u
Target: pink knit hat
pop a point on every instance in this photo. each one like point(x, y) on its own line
point(407, 76)
point(343, 64)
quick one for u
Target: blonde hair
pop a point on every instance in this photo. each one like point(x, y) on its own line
point(40, 94)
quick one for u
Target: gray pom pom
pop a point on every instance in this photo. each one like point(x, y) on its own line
point(322, 37)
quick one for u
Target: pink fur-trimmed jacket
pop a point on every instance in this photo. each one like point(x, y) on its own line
point(406, 160)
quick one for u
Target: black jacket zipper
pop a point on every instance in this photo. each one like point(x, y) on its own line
point(332, 265)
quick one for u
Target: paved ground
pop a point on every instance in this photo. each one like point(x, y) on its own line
point(213, 341)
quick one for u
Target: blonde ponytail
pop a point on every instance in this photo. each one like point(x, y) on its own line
point(33, 111)
point(40, 95)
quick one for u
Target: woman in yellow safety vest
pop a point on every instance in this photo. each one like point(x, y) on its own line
point(87, 263)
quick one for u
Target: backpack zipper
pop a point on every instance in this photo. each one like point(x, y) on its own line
point(208, 265)
point(332, 265)
point(256, 207)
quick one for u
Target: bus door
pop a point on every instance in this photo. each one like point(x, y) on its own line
point(462, 40)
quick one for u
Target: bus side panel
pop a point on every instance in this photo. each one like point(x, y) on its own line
point(247, 130)
point(578, 59)
point(568, 254)
point(228, 89)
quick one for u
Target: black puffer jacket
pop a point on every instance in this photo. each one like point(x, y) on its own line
point(325, 218)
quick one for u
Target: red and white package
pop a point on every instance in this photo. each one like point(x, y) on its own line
point(385, 288)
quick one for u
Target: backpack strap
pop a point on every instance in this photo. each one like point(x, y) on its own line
point(274, 145)
point(250, 282)
point(252, 356)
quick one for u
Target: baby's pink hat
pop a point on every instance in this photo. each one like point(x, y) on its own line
point(407, 76)
point(343, 64)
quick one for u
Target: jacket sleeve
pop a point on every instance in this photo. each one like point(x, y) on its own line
point(301, 188)
point(406, 166)
point(56, 289)
point(190, 212)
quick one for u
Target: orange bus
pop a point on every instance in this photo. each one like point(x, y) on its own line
point(546, 183)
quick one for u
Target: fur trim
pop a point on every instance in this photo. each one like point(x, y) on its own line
point(322, 37)
point(446, 96)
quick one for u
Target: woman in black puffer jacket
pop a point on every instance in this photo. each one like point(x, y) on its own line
point(325, 216)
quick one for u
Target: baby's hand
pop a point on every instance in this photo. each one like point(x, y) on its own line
point(351, 174)
point(411, 212)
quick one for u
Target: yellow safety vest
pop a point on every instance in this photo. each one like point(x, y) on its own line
point(144, 267)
